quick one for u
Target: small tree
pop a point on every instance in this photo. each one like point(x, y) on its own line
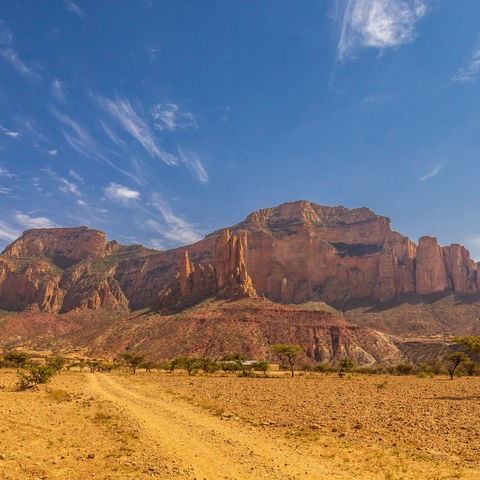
point(288, 353)
point(35, 375)
point(471, 343)
point(190, 364)
point(207, 365)
point(454, 361)
point(57, 363)
point(346, 364)
point(133, 359)
point(238, 359)
point(19, 359)
point(262, 366)
point(148, 365)
point(470, 367)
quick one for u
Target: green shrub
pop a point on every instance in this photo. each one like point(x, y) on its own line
point(321, 367)
point(35, 375)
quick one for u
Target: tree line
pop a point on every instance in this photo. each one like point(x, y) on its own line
point(32, 372)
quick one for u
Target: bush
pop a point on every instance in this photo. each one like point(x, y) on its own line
point(18, 359)
point(346, 364)
point(470, 368)
point(321, 367)
point(261, 366)
point(35, 375)
point(403, 369)
point(57, 363)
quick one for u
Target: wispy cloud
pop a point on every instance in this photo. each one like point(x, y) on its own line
point(124, 114)
point(8, 132)
point(76, 176)
point(73, 7)
point(53, 152)
point(194, 164)
point(178, 229)
point(10, 55)
point(120, 193)
point(469, 72)
point(69, 187)
point(168, 116)
point(377, 24)
point(27, 221)
point(6, 173)
point(83, 143)
point(8, 232)
point(5, 191)
point(56, 89)
point(433, 172)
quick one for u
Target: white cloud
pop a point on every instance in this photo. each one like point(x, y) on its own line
point(76, 176)
point(469, 72)
point(122, 112)
point(378, 24)
point(8, 233)
point(69, 187)
point(82, 142)
point(73, 7)
point(169, 117)
point(5, 190)
point(81, 202)
point(178, 229)
point(8, 132)
point(120, 193)
point(56, 89)
point(33, 222)
point(432, 173)
point(6, 173)
point(194, 164)
point(9, 54)
point(53, 152)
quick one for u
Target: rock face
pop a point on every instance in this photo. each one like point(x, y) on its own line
point(227, 278)
point(292, 253)
point(64, 246)
point(52, 270)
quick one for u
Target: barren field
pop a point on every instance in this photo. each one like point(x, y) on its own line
point(115, 426)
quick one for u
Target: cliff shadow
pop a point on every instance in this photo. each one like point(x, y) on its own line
point(373, 305)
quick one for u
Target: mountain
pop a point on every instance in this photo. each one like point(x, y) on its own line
point(290, 254)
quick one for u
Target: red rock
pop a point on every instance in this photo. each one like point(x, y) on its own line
point(430, 273)
point(461, 270)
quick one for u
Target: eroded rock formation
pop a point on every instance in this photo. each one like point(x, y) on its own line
point(226, 278)
point(292, 253)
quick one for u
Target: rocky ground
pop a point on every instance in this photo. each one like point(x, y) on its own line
point(173, 426)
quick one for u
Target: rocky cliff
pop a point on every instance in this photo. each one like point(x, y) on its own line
point(292, 253)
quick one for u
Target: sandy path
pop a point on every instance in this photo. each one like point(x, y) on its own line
point(206, 447)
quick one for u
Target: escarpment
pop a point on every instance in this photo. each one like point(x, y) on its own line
point(293, 253)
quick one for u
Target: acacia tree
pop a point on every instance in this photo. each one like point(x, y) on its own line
point(262, 366)
point(454, 360)
point(345, 365)
point(471, 343)
point(288, 353)
point(134, 359)
point(190, 364)
point(238, 360)
point(19, 359)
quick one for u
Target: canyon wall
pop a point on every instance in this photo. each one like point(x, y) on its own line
point(292, 253)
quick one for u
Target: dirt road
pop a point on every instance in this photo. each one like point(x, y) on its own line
point(203, 446)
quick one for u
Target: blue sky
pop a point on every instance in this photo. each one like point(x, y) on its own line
point(158, 122)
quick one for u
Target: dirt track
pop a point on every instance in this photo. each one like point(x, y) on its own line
point(204, 446)
point(160, 426)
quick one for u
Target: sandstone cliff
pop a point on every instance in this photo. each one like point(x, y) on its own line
point(226, 278)
point(292, 253)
